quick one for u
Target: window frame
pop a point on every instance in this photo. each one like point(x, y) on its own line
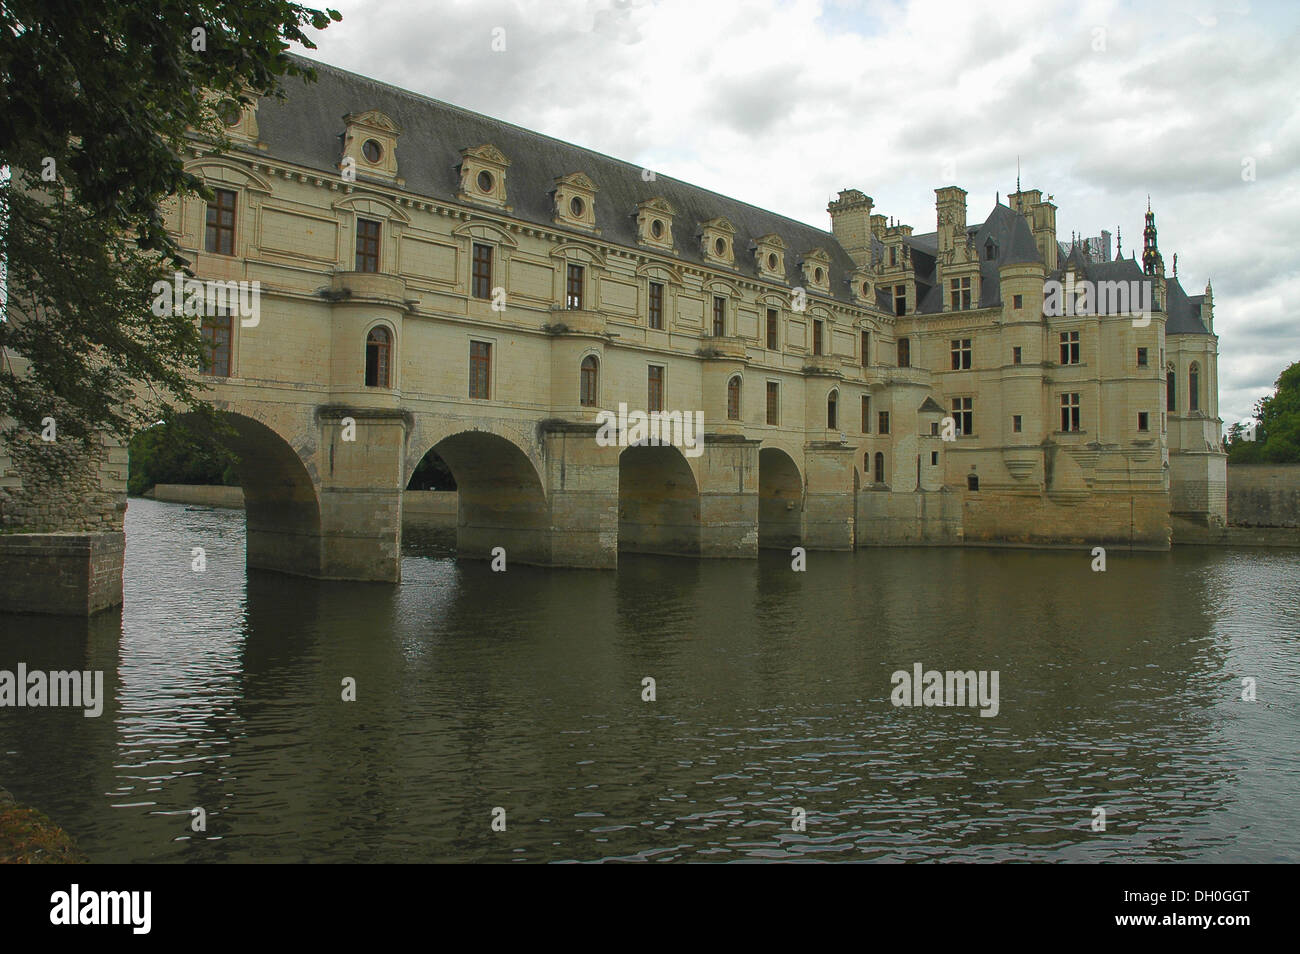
point(213, 231)
point(364, 254)
point(383, 357)
point(480, 361)
point(481, 278)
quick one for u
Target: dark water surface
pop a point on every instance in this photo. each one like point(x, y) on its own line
point(1118, 690)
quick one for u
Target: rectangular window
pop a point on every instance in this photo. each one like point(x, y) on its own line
point(573, 288)
point(934, 458)
point(963, 411)
point(482, 271)
point(904, 353)
point(866, 414)
point(719, 316)
point(1143, 420)
point(1017, 301)
point(818, 328)
point(656, 305)
point(1142, 357)
point(959, 294)
point(1070, 412)
point(866, 349)
point(882, 422)
point(900, 299)
point(771, 329)
point(893, 255)
point(773, 402)
point(1016, 423)
point(367, 245)
point(216, 341)
point(655, 388)
point(480, 369)
point(1015, 355)
point(1069, 347)
point(219, 236)
point(961, 354)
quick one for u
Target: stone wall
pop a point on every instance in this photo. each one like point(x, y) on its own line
point(915, 519)
point(201, 495)
point(1140, 520)
point(72, 574)
point(62, 486)
point(1264, 495)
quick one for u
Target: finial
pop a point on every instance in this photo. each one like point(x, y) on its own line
point(1017, 173)
point(1119, 244)
point(1148, 201)
point(1175, 264)
point(997, 198)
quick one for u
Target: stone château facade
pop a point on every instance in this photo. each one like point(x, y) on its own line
point(450, 282)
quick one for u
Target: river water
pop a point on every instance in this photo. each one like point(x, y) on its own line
point(523, 691)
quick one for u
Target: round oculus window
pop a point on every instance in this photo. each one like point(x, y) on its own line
point(657, 229)
point(230, 113)
point(485, 181)
point(771, 263)
point(719, 247)
point(372, 150)
point(866, 289)
point(817, 275)
point(577, 207)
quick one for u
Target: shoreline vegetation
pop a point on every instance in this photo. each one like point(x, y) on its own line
point(28, 837)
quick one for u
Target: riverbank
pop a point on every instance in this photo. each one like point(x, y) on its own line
point(27, 837)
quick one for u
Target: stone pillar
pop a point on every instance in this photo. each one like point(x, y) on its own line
point(828, 497)
point(582, 493)
point(729, 496)
point(361, 493)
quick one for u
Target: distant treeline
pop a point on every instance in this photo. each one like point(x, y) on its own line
point(170, 454)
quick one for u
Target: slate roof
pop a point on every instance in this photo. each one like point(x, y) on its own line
point(1184, 313)
point(1013, 242)
point(305, 129)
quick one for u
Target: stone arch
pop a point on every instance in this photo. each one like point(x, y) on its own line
point(501, 498)
point(281, 499)
point(780, 500)
point(658, 502)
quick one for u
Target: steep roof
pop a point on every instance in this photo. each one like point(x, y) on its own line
point(1184, 313)
point(1013, 243)
point(305, 127)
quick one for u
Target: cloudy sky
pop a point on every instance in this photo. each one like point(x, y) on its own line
point(781, 103)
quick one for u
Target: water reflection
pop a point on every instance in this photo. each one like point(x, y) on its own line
point(524, 690)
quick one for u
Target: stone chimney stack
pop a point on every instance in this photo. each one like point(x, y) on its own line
point(851, 224)
point(950, 215)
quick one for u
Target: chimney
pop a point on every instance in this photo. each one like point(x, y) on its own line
point(851, 224)
point(950, 216)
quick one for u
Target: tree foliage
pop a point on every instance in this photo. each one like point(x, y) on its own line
point(168, 453)
point(96, 104)
point(1277, 434)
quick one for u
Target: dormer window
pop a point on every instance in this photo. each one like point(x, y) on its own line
point(575, 201)
point(817, 269)
point(769, 256)
point(990, 250)
point(239, 120)
point(370, 143)
point(654, 223)
point(715, 241)
point(483, 176)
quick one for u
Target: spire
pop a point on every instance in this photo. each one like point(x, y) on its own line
point(1151, 259)
point(1017, 173)
point(1119, 244)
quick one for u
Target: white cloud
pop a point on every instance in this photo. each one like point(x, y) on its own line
point(781, 104)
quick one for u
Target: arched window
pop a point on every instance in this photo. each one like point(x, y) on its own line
point(733, 398)
point(589, 380)
point(1171, 389)
point(1193, 387)
point(832, 417)
point(378, 357)
point(880, 467)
